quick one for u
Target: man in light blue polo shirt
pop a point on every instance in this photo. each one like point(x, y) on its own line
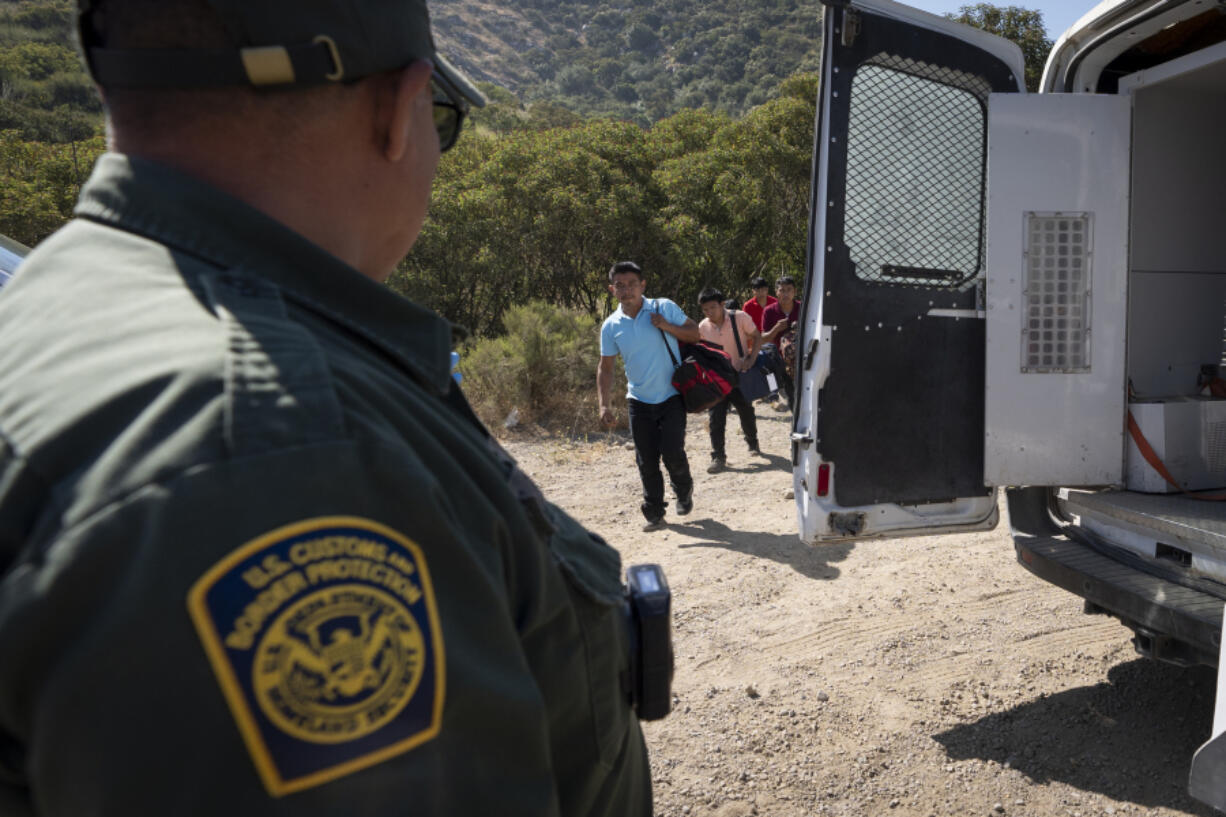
point(644, 331)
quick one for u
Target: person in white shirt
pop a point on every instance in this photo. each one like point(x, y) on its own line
point(720, 326)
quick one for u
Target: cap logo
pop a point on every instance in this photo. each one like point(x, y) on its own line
point(268, 65)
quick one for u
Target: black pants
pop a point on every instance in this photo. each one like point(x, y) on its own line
point(658, 430)
point(718, 416)
point(780, 371)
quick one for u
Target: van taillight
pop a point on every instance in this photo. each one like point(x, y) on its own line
point(823, 480)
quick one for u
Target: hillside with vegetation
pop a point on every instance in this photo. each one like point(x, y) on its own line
point(641, 61)
point(44, 93)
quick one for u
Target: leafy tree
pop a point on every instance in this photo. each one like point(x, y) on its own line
point(625, 92)
point(607, 71)
point(39, 184)
point(641, 37)
point(1021, 25)
point(700, 198)
point(533, 215)
point(737, 207)
point(544, 115)
point(576, 80)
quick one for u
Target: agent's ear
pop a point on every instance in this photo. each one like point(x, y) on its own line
point(406, 106)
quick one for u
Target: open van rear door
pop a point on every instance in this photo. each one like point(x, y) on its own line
point(889, 430)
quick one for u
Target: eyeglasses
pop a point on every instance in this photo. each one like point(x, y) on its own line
point(449, 111)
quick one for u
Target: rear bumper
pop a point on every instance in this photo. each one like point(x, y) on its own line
point(1172, 622)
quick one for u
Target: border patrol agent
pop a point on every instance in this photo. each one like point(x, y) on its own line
point(256, 554)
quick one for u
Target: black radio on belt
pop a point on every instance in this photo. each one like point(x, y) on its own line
point(649, 617)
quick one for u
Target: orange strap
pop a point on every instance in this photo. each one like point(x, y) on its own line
point(1155, 462)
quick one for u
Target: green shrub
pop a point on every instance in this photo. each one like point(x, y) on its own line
point(543, 368)
point(38, 61)
point(74, 89)
point(55, 16)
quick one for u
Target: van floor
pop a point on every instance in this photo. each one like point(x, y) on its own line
point(1174, 519)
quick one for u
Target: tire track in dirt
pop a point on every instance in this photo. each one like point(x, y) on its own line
point(1097, 638)
point(952, 657)
point(833, 640)
point(841, 635)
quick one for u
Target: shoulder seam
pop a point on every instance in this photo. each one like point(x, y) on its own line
point(167, 479)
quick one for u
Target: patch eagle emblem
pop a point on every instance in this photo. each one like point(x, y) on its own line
point(325, 638)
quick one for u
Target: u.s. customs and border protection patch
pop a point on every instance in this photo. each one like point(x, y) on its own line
point(325, 637)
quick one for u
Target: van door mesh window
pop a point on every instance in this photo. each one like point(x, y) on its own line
point(916, 152)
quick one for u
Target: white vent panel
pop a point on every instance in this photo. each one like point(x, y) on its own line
point(1056, 293)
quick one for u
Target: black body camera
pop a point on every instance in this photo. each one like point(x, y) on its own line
point(649, 620)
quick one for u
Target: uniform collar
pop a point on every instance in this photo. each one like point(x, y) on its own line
point(190, 216)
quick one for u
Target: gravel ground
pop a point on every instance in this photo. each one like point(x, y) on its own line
point(928, 676)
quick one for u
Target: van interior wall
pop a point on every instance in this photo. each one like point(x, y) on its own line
point(1177, 276)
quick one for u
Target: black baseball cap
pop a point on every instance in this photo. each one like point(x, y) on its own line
point(284, 43)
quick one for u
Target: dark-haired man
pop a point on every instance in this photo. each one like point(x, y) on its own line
point(736, 334)
point(780, 320)
point(756, 306)
point(256, 554)
point(644, 331)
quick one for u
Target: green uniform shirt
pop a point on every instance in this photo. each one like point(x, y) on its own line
point(255, 556)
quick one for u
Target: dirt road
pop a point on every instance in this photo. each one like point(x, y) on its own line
point(929, 676)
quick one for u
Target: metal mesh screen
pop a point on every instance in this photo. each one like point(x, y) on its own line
point(915, 173)
point(1056, 292)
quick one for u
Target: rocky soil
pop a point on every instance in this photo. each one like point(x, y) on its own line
point(930, 676)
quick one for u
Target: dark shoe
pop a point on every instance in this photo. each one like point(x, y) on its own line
point(654, 516)
point(754, 451)
point(686, 505)
point(717, 465)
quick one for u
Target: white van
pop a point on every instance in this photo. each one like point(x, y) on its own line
point(1027, 291)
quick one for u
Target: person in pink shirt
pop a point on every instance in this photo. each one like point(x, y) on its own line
point(762, 300)
point(718, 327)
